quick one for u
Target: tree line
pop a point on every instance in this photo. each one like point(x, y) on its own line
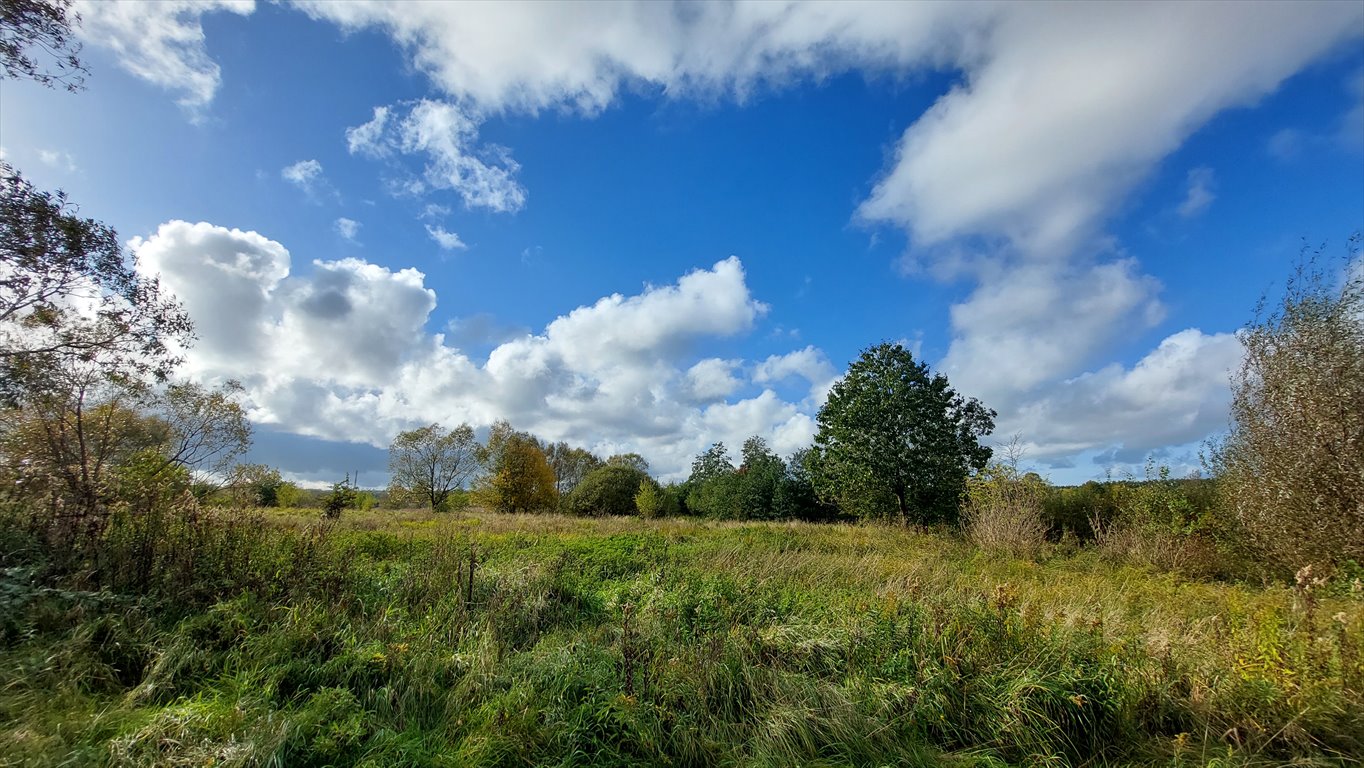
point(95, 427)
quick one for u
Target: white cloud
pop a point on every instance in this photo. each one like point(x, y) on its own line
point(448, 241)
point(305, 174)
point(160, 42)
point(433, 211)
point(1285, 144)
point(1199, 193)
point(368, 138)
point(713, 379)
point(484, 176)
point(1058, 113)
point(1062, 112)
point(586, 53)
point(810, 364)
point(1351, 133)
point(1028, 324)
point(60, 160)
point(1176, 394)
point(348, 229)
point(342, 352)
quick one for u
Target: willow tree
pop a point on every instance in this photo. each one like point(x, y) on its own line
point(431, 462)
point(1291, 468)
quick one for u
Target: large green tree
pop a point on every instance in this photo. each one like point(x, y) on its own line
point(430, 462)
point(896, 441)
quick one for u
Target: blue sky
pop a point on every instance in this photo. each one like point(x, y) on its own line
point(646, 227)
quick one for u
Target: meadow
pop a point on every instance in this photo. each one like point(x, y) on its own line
point(275, 638)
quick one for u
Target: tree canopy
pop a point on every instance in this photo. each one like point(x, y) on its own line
point(608, 490)
point(896, 442)
point(31, 30)
point(430, 462)
point(68, 296)
point(518, 478)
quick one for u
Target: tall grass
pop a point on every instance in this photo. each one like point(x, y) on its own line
point(483, 639)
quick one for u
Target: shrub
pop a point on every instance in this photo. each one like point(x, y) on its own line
point(1003, 510)
point(607, 490)
point(649, 500)
point(1291, 469)
point(1162, 522)
point(342, 497)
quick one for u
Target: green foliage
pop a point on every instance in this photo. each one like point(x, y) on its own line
point(144, 481)
point(519, 478)
point(711, 488)
point(628, 642)
point(288, 495)
point(763, 487)
point(654, 501)
point(256, 485)
point(758, 481)
point(50, 257)
point(570, 465)
point(896, 443)
point(631, 460)
point(48, 26)
point(430, 463)
point(1079, 509)
point(795, 497)
point(343, 496)
point(607, 490)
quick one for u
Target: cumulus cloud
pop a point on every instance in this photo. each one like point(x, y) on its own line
point(161, 42)
point(1025, 325)
point(810, 364)
point(1198, 193)
point(1055, 116)
point(1108, 93)
point(448, 241)
point(1058, 114)
point(713, 379)
point(446, 137)
point(586, 53)
point(341, 351)
point(1176, 394)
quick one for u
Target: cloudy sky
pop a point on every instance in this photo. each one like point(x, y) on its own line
point(650, 226)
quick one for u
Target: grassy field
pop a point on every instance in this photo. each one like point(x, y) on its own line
point(672, 642)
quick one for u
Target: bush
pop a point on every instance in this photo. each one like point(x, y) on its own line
point(1003, 510)
point(608, 490)
point(1292, 467)
point(342, 497)
point(649, 500)
point(1163, 522)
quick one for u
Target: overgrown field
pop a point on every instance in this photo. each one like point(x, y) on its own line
point(278, 641)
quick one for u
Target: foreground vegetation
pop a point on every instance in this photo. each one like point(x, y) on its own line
point(231, 638)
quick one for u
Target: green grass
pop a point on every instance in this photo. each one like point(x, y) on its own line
point(671, 642)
